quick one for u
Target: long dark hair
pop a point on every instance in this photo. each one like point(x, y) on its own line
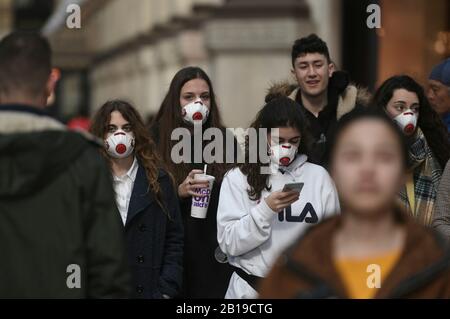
point(169, 118)
point(280, 111)
point(429, 121)
point(145, 148)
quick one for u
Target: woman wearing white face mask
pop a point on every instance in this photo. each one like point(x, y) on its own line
point(190, 104)
point(146, 199)
point(405, 102)
point(195, 112)
point(256, 218)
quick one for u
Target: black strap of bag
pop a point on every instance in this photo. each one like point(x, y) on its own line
point(252, 280)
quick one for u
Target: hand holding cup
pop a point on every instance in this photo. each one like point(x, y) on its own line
point(191, 184)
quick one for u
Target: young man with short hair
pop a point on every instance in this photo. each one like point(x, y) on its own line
point(323, 93)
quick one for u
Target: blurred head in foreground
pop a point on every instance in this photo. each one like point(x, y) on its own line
point(368, 160)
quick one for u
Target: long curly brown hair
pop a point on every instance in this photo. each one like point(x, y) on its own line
point(280, 111)
point(145, 149)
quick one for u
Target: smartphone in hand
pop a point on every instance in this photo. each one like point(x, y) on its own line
point(293, 187)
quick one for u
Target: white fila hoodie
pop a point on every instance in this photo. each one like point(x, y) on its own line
point(252, 235)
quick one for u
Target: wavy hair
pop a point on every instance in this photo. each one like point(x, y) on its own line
point(429, 121)
point(145, 149)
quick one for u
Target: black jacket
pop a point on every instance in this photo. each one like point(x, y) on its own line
point(57, 212)
point(154, 239)
point(203, 276)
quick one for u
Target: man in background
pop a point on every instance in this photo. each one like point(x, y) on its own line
point(439, 90)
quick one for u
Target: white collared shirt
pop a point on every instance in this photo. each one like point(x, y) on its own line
point(123, 187)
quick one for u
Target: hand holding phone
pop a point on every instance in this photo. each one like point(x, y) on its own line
point(293, 187)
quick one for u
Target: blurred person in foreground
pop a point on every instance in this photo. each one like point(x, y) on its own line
point(60, 232)
point(373, 249)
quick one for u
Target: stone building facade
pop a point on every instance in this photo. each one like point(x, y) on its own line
point(132, 49)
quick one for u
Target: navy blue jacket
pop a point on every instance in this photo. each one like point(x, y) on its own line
point(154, 240)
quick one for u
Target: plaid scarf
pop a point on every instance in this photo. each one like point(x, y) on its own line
point(426, 174)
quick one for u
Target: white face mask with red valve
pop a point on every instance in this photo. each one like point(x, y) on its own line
point(283, 154)
point(407, 121)
point(120, 144)
point(195, 112)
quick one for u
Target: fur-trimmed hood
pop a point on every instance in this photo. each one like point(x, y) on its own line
point(351, 96)
point(34, 149)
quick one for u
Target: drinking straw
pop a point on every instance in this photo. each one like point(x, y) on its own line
point(204, 169)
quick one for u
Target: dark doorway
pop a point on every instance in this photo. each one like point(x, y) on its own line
point(359, 43)
point(31, 14)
